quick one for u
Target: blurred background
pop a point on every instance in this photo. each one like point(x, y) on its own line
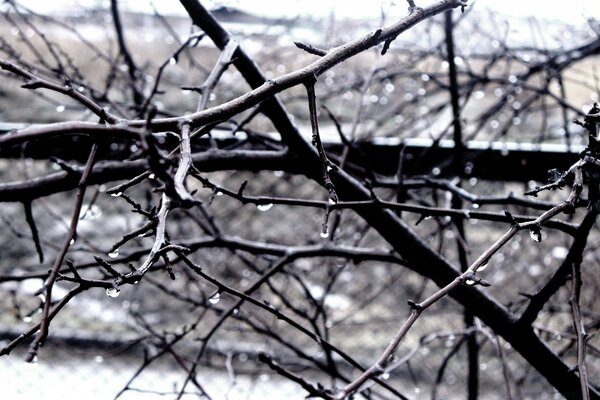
point(526, 69)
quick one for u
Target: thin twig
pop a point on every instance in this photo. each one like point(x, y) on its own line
point(58, 262)
point(579, 328)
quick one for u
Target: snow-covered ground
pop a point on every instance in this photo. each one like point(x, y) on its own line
point(99, 378)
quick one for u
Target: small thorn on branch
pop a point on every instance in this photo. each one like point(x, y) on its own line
point(412, 7)
point(472, 280)
point(32, 84)
point(512, 219)
point(311, 49)
point(414, 305)
point(386, 45)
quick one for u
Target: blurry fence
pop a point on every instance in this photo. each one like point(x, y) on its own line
point(98, 343)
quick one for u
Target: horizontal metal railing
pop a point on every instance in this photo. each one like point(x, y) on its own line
point(504, 161)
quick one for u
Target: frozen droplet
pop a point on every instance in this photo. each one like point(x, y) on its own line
point(324, 231)
point(385, 376)
point(114, 253)
point(116, 194)
point(214, 299)
point(332, 201)
point(72, 241)
point(113, 292)
point(236, 311)
point(469, 282)
point(329, 168)
point(172, 61)
point(60, 108)
point(482, 266)
point(219, 193)
point(34, 360)
point(264, 207)
point(536, 235)
point(151, 176)
point(27, 319)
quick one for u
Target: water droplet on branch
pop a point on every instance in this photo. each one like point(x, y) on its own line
point(113, 292)
point(114, 253)
point(264, 207)
point(536, 235)
point(214, 299)
point(324, 231)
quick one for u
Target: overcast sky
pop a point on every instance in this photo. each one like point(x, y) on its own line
point(572, 11)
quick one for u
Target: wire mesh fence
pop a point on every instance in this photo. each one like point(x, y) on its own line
point(267, 288)
point(99, 343)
